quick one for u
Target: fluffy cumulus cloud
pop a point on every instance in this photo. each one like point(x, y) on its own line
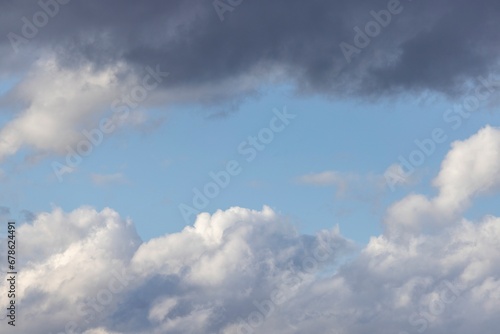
point(67, 65)
point(55, 103)
point(246, 271)
point(88, 271)
point(429, 283)
point(469, 170)
point(58, 109)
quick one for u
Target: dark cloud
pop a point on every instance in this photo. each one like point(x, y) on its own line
point(429, 45)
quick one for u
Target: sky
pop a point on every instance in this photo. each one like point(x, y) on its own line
point(236, 166)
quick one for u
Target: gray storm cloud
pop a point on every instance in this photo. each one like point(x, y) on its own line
point(58, 52)
point(424, 45)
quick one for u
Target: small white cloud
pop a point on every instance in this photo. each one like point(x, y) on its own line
point(363, 187)
point(327, 178)
point(108, 179)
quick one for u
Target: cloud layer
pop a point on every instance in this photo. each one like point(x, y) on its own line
point(97, 51)
point(97, 273)
point(425, 45)
point(243, 270)
point(247, 271)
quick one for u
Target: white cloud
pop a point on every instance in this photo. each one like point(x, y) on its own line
point(469, 169)
point(323, 179)
point(248, 271)
point(345, 182)
point(107, 179)
point(74, 265)
point(59, 103)
point(430, 283)
point(368, 187)
point(396, 176)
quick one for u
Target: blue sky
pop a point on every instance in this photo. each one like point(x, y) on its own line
point(239, 167)
point(159, 168)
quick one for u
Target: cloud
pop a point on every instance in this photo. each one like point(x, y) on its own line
point(429, 283)
point(245, 271)
point(350, 185)
point(108, 179)
point(395, 175)
point(206, 56)
point(470, 169)
point(59, 109)
point(100, 277)
point(323, 179)
point(58, 105)
point(89, 53)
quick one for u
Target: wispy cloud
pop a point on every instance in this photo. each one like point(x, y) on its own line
point(327, 178)
point(108, 179)
point(346, 184)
